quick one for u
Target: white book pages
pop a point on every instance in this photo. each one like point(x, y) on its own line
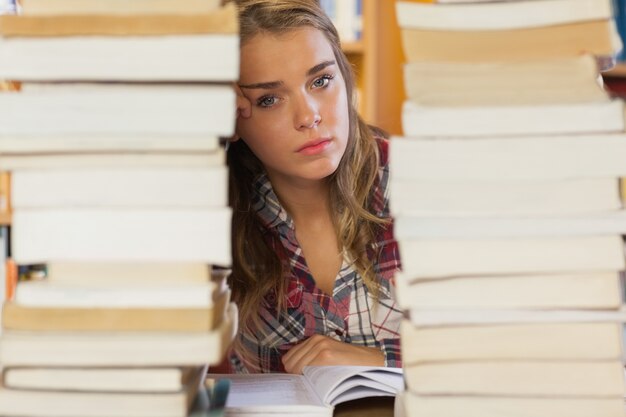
point(501, 15)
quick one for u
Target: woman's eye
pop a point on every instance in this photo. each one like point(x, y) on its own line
point(266, 101)
point(322, 82)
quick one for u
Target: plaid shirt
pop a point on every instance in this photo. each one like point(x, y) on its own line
point(350, 315)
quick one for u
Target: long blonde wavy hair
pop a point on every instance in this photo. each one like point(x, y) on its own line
point(257, 268)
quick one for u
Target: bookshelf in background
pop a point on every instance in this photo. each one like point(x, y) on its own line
point(615, 79)
point(6, 7)
point(374, 50)
point(5, 192)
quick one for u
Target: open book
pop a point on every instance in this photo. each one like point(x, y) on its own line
point(315, 393)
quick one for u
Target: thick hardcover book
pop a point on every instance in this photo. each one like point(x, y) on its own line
point(180, 58)
point(21, 348)
point(471, 317)
point(40, 293)
point(418, 198)
point(43, 144)
point(48, 403)
point(523, 341)
point(439, 258)
point(505, 83)
point(485, 121)
point(582, 290)
point(597, 37)
point(132, 380)
point(500, 15)
point(129, 319)
point(112, 160)
point(498, 406)
point(182, 188)
point(118, 109)
point(122, 235)
point(518, 226)
point(82, 7)
point(504, 159)
point(595, 379)
point(223, 20)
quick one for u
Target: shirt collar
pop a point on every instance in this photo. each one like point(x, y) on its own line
point(267, 206)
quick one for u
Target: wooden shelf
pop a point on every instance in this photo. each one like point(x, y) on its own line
point(353, 48)
point(618, 71)
point(383, 58)
point(5, 219)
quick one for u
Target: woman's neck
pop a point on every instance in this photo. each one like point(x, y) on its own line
point(303, 199)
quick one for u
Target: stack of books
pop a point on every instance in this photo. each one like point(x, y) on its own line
point(505, 194)
point(119, 186)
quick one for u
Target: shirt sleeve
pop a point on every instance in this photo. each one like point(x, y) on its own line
point(391, 350)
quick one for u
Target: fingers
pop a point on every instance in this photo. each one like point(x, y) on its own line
point(301, 355)
point(323, 351)
point(244, 106)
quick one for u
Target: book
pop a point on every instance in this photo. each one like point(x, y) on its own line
point(16, 316)
point(501, 15)
point(585, 290)
point(5, 192)
point(99, 404)
point(99, 58)
point(500, 342)
point(49, 294)
point(146, 380)
point(314, 393)
point(107, 160)
point(182, 188)
point(122, 235)
point(460, 317)
point(122, 274)
point(481, 406)
point(82, 7)
point(122, 46)
point(21, 348)
point(419, 198)
point(472, 122)
point(435, 227)
point(596, 37)
point(504, 83)
point(431, 258)
point(6, 281)
point(582, 156)
point(518, 378)
point(222, 21)
point(46, 144)
point(119, 109)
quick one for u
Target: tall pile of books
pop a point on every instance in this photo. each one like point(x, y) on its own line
point(119, 186)
point(505, 193)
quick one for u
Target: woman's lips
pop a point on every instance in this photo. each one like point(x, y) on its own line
point(314, 147)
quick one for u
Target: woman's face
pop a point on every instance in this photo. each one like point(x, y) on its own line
point(298, 125)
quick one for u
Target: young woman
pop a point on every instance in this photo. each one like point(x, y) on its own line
point(313, 250)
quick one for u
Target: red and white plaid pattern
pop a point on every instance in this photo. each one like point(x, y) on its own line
point(350, 315)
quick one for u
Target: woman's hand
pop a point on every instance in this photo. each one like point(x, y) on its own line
point(322, 350)
point(244, 106)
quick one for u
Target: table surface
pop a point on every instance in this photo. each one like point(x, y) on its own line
point(366, 407)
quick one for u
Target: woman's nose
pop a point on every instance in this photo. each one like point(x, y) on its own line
point(307, 113)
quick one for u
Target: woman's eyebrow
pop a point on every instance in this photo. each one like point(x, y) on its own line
point(270, 85)
point(266, 86)
point(320, 67)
